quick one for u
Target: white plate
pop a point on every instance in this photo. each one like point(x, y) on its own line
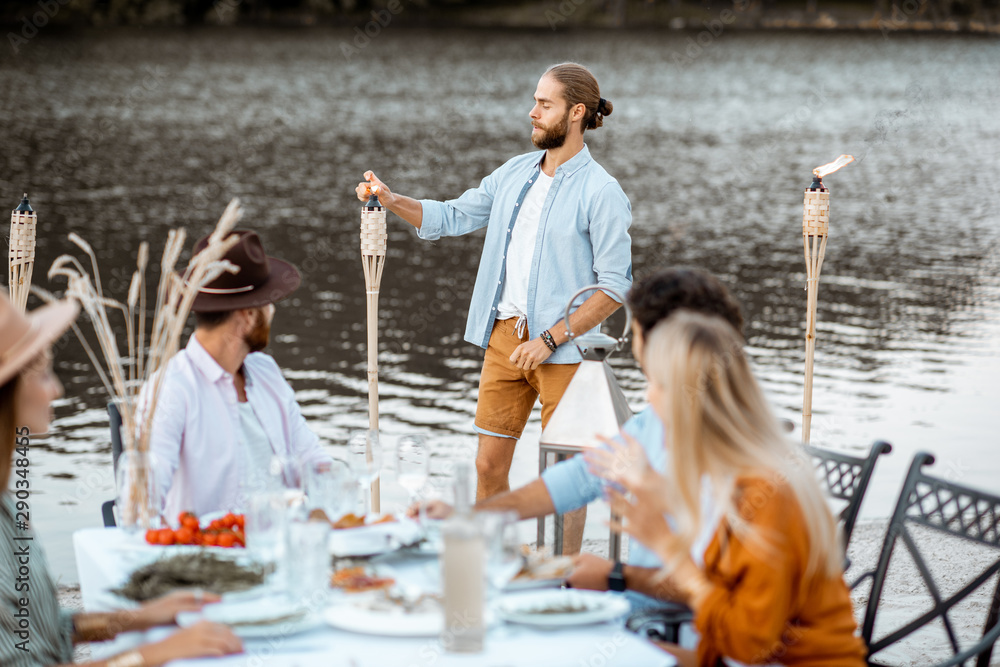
point(270, 616)
point(357, 616)
point(374, 539)
point(528, 608)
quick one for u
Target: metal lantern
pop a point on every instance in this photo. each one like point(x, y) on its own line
point(592, 404)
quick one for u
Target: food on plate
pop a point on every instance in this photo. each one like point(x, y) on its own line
point(540, 567)
point(204, 570)
point(568, 607)
point(357, 580)
point(223, 532)
point(351, 520)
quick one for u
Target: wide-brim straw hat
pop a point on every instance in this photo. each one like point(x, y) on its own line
point(24, 337)
point(261, 279)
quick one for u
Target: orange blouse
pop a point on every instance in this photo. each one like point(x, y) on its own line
point(763, 608)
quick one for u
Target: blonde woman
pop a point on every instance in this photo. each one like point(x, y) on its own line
point(34, 632)
point(748, 540)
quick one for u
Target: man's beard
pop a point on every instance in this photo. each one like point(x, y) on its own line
point(260, 335)
point(554, 137)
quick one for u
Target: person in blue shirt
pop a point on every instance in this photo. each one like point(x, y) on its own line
point(555, 222)
point(570, 485)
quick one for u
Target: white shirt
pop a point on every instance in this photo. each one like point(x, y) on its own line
point(521, 250)
point(198, 439)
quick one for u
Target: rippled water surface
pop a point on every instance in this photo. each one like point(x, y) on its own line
point(120, 136)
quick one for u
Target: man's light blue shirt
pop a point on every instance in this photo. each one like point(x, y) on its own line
point(582, 240)
point(572, 486)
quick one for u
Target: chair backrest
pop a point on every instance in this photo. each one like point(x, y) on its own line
point(845, 477)
point(115, 418)
point(960, 512)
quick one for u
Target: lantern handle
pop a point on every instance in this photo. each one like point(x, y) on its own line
point(591, 288)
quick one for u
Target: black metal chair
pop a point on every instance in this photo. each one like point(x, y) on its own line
point(959, 511)
point(843, 477)
point(115, 419)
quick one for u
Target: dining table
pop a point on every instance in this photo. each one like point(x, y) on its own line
point(107, 556)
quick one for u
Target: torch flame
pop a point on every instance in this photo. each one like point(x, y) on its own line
point(375, 187)
point(836, 165)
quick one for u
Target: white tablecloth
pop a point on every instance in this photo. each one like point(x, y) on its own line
point(105, 559)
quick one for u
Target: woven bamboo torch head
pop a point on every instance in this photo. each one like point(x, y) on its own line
point(22, 224)
point(373, 230)
point(816, 209)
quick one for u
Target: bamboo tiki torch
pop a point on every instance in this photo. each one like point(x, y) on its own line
point(373, 242)
point(815, 229)
point(23, 223)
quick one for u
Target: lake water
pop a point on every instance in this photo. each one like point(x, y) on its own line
point(119, 136)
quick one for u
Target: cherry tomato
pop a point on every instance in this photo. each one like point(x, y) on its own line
point(210, 539)
point(190, 521)
point(152, 536)
point(240, 540)
point(226, 540)
point(166, 537)
point(184, 535)
point(241, 521)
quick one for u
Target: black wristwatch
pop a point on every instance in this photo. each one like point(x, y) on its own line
point(616, 579)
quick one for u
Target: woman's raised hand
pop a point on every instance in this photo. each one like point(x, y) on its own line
point(621, 463)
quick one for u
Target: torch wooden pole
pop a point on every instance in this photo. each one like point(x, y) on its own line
point(373, 244)
point(815, 231)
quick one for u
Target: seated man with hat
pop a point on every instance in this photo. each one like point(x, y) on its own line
point(226, 419)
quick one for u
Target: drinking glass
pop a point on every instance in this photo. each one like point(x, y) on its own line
point(307, 561)
point(412, 464)
point(366, 461)
point(137, 502)
point(503, 549)
point(330, 487)
point(266, 520)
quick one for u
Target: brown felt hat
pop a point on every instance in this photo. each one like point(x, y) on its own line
point(261, 279)
point(23, 337)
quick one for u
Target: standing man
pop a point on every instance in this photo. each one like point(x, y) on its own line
point(555, 221)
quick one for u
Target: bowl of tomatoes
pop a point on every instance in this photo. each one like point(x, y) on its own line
point(226, 531)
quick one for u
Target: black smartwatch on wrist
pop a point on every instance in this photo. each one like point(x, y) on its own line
point(616, 579)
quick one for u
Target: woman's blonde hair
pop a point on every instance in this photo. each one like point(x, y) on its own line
point(718, 423)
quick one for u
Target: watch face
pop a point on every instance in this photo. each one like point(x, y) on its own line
point(616, 579)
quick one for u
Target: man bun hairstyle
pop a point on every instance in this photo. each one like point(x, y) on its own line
point(580, 87)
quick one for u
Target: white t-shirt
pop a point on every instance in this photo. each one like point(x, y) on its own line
point(256, 459)
point(520, 252)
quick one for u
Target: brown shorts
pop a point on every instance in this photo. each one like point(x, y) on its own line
point(507, 393)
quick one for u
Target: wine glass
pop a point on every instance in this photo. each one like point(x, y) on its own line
point(412, 464)
point(365, 460)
